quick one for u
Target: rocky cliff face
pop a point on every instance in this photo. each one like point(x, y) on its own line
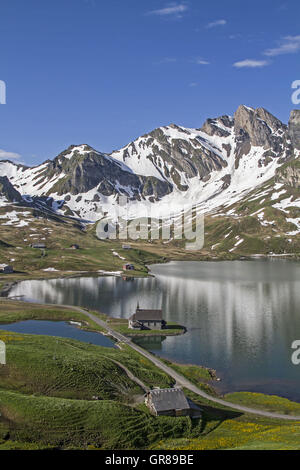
point(199, 152)
point(80, 169)
point(289, 174)
point(259, 128)
point(294, 128)
point(7, 191)
point(171, 153)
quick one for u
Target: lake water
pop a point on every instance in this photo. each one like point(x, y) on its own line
point(242, 316)
point(57, 328)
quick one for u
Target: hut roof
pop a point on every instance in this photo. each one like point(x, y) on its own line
point(147, 315)
point(169, 399)
point(5, 266)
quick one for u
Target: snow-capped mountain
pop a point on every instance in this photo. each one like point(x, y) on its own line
point(213, 166)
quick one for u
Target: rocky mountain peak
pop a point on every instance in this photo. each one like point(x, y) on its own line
point(294, 128)
point(259, 128)
point(220, 126)
point(76, 150)
point(274, 123)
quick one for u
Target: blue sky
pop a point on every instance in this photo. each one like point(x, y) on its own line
point(104, 72)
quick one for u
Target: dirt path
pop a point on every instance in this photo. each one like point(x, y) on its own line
point(130, 374)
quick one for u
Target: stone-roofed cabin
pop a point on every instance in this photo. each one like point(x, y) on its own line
point(38, 245)
point(6, 269)
point(128, 267)
point(146, 319)
point(171, 402)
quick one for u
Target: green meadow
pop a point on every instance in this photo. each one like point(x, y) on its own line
point(58, 393)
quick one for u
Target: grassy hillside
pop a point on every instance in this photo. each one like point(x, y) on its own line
point(265, 402)
point(48, 390)
point(67, 368)
point(240, 435)
point(58, 234)
point(47, 401)
point(260, 223)
point(66, 423)
point(223, 429)
point(63, 368)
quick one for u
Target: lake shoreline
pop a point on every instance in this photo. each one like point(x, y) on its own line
point(42, 275)
point(213, 383)
point(6, 288)
point(277, 384)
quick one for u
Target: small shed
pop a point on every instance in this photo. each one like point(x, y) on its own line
point(6, 269)
point(126, 247)
point(128, 267)
point(170, 402)
point(146, 319)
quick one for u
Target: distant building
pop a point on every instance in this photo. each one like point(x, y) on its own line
point(171, 402)
point(146, 319)
point(74, 247)
point(126, 247)
point(128, 267)
point(38, 245)
point(6, 269)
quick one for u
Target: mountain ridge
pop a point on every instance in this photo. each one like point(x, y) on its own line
point(170, 166)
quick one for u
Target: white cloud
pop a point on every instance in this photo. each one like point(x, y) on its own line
point(173, 9)
point(9, 155)
point(288, 45)
point(201, 62)
point(193, 84)
point(251, 63)
point(215, 23)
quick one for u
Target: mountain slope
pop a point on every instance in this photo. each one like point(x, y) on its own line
point(172, 166)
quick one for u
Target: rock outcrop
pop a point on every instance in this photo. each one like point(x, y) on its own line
point(289, 174)
point(294, 128)
point(8, 191)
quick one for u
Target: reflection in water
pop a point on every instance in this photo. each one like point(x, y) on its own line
point(241, 316)
point(151, 343)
